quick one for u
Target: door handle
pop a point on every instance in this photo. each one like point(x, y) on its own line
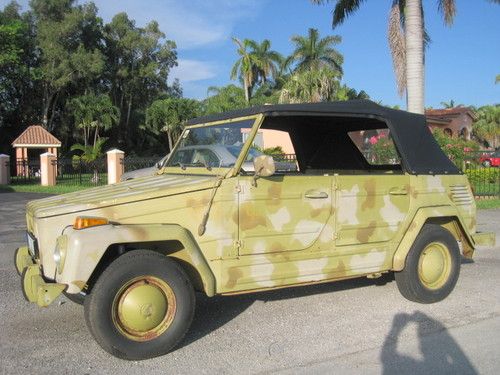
point(398, 191)
point(315, 194)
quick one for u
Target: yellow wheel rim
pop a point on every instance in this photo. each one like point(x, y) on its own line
point(434, 265)
point(144, 308)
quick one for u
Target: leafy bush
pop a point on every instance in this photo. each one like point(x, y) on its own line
point(456, 149)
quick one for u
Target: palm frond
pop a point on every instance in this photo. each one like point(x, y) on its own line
point(397, 45)
point(448, 9)
point(343, 9)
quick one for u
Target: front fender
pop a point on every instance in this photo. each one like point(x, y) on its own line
point(418, 222)
point(86, 247)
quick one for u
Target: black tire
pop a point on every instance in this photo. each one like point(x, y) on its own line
point(120, 278)
point(487, 163)
point(77, 298)
point(412, 282)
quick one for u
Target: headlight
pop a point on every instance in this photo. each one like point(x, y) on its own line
point(60, 253)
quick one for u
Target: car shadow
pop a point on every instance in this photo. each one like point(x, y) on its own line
point(439, 352)
point(213, 313)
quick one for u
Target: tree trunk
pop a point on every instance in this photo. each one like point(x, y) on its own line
point(170, 142)
point(247, 96)
point(414, 37)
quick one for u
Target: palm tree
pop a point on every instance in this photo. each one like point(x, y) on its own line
point(313, 52)
point(89, 156)
point(266, 61)
point(311, 85)
point(169, 116)
point(244, 67)
point(451, 104)
point(92, 113)
point(487, 126)
point(407, 39)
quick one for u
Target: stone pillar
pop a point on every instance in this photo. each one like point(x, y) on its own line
point(4, 169)
point(115, 165)
point(48, 169)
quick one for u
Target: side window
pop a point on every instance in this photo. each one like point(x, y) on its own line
point(377, 146)
point(278, 144)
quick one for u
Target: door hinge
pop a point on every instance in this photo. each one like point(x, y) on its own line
point(237, 245)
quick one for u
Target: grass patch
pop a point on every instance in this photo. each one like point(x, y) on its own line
point(58, 189)
point(485, 204)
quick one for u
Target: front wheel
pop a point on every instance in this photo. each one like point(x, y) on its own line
point(141, 306)
point(487, 163)
point(432, 266)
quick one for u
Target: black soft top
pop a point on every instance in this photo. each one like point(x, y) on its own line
point(419, 150)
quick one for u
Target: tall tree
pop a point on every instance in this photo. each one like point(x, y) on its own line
point(93, 113)
point(169, 116)
point(140, 60)
point(19, 88)
point(244, 67)
point(311, 85)
point(69, 48)
point(222, 99)
point(407, 38)
point(313, 52)
point(266, 60)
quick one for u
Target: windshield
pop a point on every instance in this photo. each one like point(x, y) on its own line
point(212, 146)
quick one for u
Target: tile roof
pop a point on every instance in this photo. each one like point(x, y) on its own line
point(456, 111)
point(36, 135)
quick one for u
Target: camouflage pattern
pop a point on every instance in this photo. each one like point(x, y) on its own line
point(284, 230)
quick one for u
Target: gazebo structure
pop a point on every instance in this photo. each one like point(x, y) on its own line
point(35, 137)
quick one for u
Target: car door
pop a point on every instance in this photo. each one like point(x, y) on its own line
point(282, 213)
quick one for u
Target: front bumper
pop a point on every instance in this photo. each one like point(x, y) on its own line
point(484, 239)
point(35, 288)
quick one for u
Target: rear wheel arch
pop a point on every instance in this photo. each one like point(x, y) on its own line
point(449, 221)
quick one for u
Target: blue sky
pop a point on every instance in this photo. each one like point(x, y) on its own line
point(461, 63)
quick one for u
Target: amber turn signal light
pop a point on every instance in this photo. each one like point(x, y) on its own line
point(82, 222)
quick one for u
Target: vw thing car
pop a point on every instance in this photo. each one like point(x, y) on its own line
point(372, 193)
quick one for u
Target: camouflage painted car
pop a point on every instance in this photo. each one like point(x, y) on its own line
point(372, 193)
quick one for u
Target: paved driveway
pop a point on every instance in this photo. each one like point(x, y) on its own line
point(360, 326)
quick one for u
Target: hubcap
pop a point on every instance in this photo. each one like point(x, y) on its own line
point(144, 308)
point(434, 265)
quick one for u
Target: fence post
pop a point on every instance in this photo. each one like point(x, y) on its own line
point(4, 169)
point(48, 169)
point(115, 165)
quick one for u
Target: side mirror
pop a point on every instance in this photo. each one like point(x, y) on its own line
point(263, 166)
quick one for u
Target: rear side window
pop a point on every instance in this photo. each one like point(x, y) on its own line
point(376, 145)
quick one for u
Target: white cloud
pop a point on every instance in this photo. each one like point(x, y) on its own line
point(193, 70)
point(191, 24)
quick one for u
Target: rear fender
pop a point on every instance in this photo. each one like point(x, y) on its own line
point(447, 217)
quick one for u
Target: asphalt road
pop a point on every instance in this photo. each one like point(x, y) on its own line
point(360, 326)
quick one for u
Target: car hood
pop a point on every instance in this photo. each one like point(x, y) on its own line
point(121, 193)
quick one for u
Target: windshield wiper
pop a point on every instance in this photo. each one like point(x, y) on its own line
point(183, 167)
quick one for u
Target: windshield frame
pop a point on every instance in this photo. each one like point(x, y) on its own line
point(220, 171)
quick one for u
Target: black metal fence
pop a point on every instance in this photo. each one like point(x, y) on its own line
point(25, 171)
point(133, 163)
point(79, 172)
point(484, 179)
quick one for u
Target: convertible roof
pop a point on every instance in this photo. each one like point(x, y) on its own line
point(419, 150)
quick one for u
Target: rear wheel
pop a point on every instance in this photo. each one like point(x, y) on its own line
point(432, 266)
point(141, 306)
